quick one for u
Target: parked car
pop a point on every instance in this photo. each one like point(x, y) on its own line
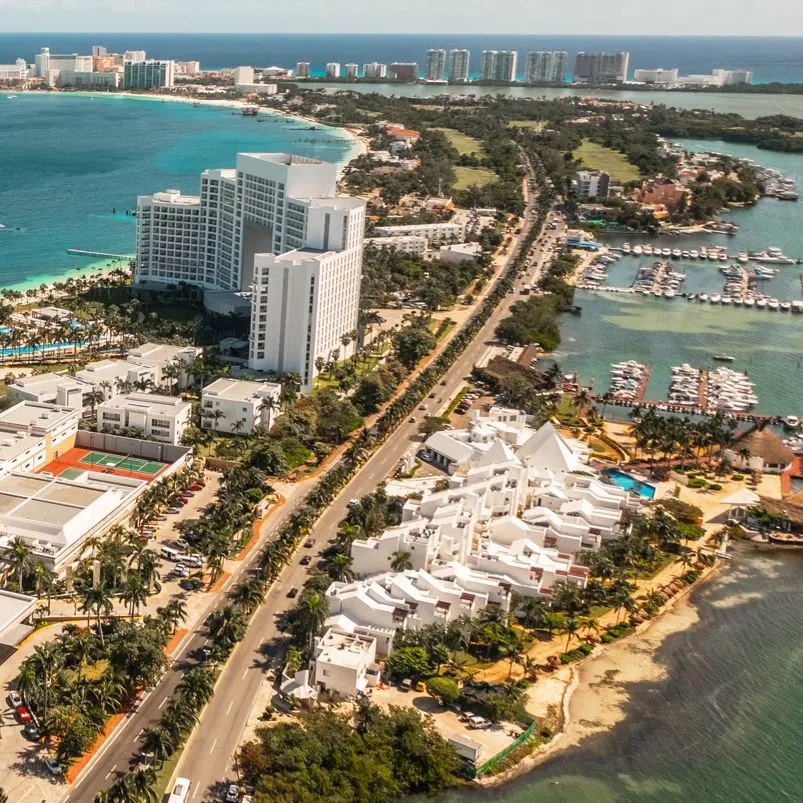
point(406, 684)
point(306, 560)
point(197, 487)
point(292, 593)
point(466, 716)
point(23, 715)
point(30, 731)
point(183, 571)
point(233, 793)
point(14, 700)
point(173, 510)
point(158, 517)
point(309, 543)
point(478, 723)
point(420, 686)
point(53, 766)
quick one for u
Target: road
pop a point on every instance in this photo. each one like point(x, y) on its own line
point(207, 759)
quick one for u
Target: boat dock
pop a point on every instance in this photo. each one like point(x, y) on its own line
point(80, 252)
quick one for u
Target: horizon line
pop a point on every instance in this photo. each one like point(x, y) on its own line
point(394, 34)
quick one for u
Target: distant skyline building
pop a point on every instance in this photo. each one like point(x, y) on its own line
point(46, 62)
point(546, 66)
point(601, 68)
point(302, 69)
point(659, 75)
point(352, 71)
point(374, 70)
point(436, 65)
point(590, 184)
point(406, 71)
point(150, 74)
point(499, 65)
point(134, 55)
point(333, 69)
point(458, 65)
point(99, 50)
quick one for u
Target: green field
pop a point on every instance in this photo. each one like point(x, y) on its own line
point(536, 125)
point(462, 142)
point(615, 164)
point(466, 176)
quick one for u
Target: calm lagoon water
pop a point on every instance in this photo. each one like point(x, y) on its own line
point(664, 333)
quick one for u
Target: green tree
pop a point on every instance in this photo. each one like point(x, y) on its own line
point(444, 689)
point(410, 662)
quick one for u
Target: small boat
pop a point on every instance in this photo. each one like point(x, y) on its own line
point(694, 254)
point(742, 256)
point(666, 252)
point(626, 248)
point(648, 250)
point(716, 298)
point(723, 358)
point(726, 300)
point(703, 297)
point(791, 422)
point(749, 302)
point(638, 250)
point(761, 303)
point(676, 253)
point(723, 257)
point(785, 306)
point(774, 304)
point(685, 254)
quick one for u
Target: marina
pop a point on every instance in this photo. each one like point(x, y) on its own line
point(629, 381)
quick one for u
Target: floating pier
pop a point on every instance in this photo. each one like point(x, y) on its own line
point(80, 252)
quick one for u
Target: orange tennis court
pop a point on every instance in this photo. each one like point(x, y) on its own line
point(76, 460)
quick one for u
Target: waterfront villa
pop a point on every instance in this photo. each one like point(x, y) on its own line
point(760, 449)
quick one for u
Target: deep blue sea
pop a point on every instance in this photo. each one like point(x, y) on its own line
point(770, 58)
point(71, 165)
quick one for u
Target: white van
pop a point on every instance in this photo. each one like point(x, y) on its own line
point(170, 553)
point(181, 791)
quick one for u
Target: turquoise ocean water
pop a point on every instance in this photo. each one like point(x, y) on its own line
point(768, 345)
point(68, 161)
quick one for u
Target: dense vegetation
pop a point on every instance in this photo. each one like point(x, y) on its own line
point(364, 757)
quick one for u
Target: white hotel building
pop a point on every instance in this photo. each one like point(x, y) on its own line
point(273, 224)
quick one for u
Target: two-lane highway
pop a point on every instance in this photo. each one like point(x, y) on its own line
point(207, 760)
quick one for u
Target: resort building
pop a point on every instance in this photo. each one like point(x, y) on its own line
point(459, 252)
point(590, 184)
point(659, 75)
point(435, 233)
point(344, 664)
point(61, 389)
point(14, 72)
point(545, 66)
point(601, 68)
point(149, 74)
point(436, 65)
point(86, 80)
point(375, 70)
point(46, 63)
point(34, 434)
point(498, 65)
point(408, 244)
point(458, 65)
point(352, 71)
point(159, 418)
point(13, 609)
point(333, 69)
point(302, 70)
point(760, 449)
point(406, 71)
point(275, 225)
point(237, 406)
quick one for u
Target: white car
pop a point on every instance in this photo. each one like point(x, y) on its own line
point(181, 791)
point(233, 793)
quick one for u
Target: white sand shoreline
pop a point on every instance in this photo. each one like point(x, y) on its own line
point(594, 697)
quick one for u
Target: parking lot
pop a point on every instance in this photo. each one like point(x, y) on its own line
point(493, 739)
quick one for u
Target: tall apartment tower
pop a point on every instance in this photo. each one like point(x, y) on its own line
point(458, 65)
point(601, 67)
point(149, 74)
point(98, 50)
point(374, 70)
point(436, 65)
point(302, 69)
point(352, 71)
point(333, 69)
point(499, 65)
point(273, 224)
point(545, 66)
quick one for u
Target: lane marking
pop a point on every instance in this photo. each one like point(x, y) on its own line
point(213, 746)
point(231, 705)
point(163, 702)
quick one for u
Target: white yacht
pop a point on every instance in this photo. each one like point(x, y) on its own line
point(694, 253)
point(666, 252)
point(638, 250)
point(676, 253)
point(716, 298)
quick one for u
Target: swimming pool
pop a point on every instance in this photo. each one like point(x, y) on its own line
point(630, 483)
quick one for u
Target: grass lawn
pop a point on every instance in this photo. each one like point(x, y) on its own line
point(536, 125)
point(615, 164)
point(462, 142)
point(466, 176)
point(567, 410)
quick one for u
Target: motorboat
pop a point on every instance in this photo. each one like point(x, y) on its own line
point(666, 252)
point(761, 303)
point(791, 421)
point(723, 257)
point(694, 253)
point(716, 298)
point(749, 302)
point(637, 250)
point(626, 248)
point(676, 253)
point(723, 358)
point(703, 297)
point(742, 257)
point(773, 304)
point(726, 300)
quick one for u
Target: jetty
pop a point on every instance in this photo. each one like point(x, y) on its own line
point(80, 252)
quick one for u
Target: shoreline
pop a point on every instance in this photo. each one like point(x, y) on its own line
point(90, 270)
point(593, 697)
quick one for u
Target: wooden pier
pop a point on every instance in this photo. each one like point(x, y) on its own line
point(80, 252)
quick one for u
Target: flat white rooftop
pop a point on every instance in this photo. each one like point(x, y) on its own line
point(35, 416)
point(153, 403)
point(343, 649)
point(241, 390)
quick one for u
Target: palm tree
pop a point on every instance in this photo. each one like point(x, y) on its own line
point(19, 558)
point(590, 624)
point(49, 659)
point(248, 595)
point(312, 610)
point(198, 685)
point(98, 601)
point(338, 567)
point(570, 626)
point(134, 592)
point(159, 743)
point(401, 561)
point(141, 782)
point(512, 649)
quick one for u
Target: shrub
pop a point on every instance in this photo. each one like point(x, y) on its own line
point(697, 482)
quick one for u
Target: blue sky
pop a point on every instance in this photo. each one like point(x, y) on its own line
point(712, 17)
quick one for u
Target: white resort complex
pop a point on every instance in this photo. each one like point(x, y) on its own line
point(520, 505)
